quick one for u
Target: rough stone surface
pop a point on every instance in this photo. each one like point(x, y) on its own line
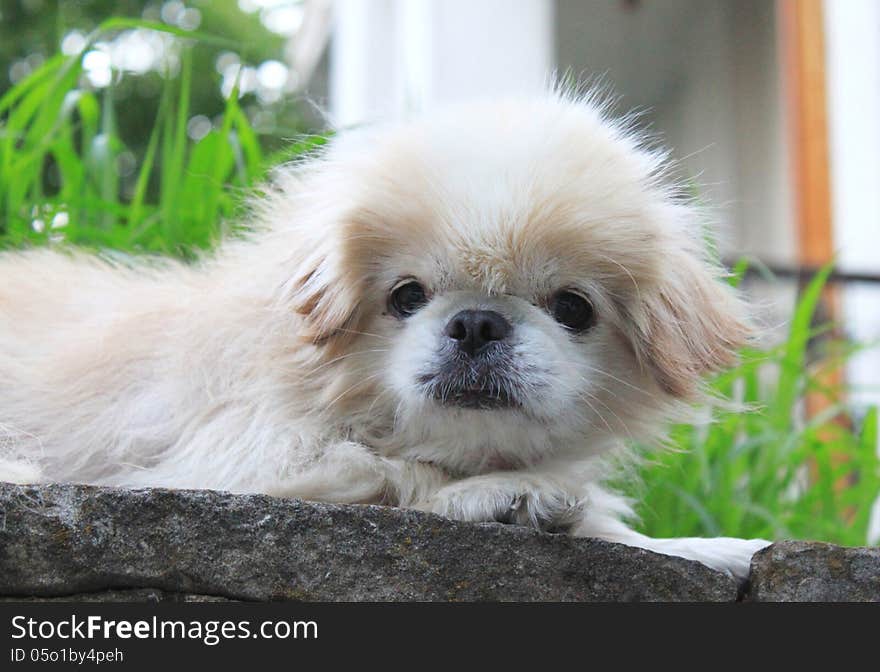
point(796, 571)
point(107, 544)
point(126, 595)
point(81, 543)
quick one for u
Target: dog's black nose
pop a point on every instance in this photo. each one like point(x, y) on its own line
point(473, 330)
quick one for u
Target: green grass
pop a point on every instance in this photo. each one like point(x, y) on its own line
point(60, 152)
point(766, 472)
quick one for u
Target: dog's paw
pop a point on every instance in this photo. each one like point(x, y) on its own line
point(529, 501)
point(20, 472)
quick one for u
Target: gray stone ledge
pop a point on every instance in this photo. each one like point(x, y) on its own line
point(798, 571)
point(122, 595)
point(86, 543)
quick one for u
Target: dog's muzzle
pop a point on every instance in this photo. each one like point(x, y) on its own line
point(476, 368)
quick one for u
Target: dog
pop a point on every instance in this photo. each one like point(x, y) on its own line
point(473, 313)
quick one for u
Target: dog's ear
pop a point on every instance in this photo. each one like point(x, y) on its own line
point(308, 229)
point(327, 298)
point(690, 323)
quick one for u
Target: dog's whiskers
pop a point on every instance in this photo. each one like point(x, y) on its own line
point(312, 372)
point(350, 388)
point(617, 417)
point(616, 379)
point(363, 333)
point(598, 414)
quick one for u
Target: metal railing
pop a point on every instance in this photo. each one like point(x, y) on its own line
point(804, 273)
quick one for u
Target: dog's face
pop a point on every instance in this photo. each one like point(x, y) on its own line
point(502, 283)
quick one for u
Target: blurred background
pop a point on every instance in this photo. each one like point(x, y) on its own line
point(137, 126)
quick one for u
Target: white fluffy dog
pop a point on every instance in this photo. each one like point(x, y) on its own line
point(470, 314)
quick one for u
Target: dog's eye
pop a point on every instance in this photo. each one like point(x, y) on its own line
point(572, 310)
point(407, 298)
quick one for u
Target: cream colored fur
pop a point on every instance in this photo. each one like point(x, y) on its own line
point(275, 366)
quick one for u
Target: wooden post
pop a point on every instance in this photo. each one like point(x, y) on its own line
point(802, 39)
point(803, 55)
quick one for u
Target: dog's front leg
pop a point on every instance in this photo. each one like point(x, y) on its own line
point(347, 472)
point(536, 500)
point(546, 502)
point(725, 554)
point(730, 555)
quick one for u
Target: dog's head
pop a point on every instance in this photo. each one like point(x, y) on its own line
point(501, 281)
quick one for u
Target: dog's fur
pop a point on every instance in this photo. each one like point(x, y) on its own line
point(277, 366)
